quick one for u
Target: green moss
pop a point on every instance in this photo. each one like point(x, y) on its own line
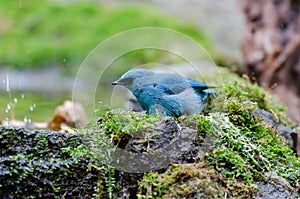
point(190, 181)
point(43, 164)
point(120, 122)
point(102, 139)
point(248, 147)
point(237, 147)
point(236, 96)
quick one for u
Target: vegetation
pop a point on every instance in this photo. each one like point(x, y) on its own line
point(46, 33)
point(241, 149)
point(102, 139)
point(234, 151)
point(235, 147)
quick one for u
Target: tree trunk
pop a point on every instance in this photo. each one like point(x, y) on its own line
point(271, 49)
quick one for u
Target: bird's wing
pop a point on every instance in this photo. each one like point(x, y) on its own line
point(175, 83)
point(198, 86)
point(155, 99)
point(166, 106)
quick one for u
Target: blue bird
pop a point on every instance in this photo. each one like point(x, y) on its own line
point(165, 94)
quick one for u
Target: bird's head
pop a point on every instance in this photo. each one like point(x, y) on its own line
point(133, 79)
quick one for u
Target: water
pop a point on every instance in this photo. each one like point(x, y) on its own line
point(33, 95)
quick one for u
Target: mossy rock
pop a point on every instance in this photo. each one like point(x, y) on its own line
point(197, 180)
point(237, 148)
point(43, 164)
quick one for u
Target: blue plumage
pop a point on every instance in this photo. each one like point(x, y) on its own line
point(165, 94)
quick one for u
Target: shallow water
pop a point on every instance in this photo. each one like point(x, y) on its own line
point(33, 95)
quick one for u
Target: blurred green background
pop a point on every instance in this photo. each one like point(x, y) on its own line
point(40, 36)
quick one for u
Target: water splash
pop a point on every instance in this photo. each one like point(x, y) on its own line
point(7, 121)
point(8, 107)
point(27, 120)
point(7, 83)
point(32, 107)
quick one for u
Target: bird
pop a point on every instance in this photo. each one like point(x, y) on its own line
point(165, 94)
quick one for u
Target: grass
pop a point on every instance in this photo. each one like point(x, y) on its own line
point(44, 33)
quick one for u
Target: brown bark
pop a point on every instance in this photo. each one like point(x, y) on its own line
point(271, 49)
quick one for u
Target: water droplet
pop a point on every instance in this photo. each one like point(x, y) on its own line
point(15, 100)
point(6, 110)
point(64, 60)
point(31, 108)
point(34, 105)
point(7, 83)
point(8, 106)
point(3, 81)
point(25, 119)
point(29, 120)
point(7, 121)
point(22, 96)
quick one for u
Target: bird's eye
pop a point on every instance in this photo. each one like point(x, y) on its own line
point(154, 85)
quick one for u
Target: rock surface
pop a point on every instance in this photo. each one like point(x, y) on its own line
point(43, 164)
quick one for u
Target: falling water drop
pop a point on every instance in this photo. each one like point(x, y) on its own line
point(34, 105)
point(25, 119)
point(22, 96)
point(15, 100)
point(31, 108)
point(8, 106)
point(7, 83)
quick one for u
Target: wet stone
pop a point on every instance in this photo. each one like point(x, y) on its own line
point(40, 164)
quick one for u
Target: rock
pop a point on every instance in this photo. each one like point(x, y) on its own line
point(275, 187)
point(289, 135)
point(70, 114)
point(165, 143)
point(43, 164)
point(153, 149)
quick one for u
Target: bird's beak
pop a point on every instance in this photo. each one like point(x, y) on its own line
point(117, 83)
point(123, 81)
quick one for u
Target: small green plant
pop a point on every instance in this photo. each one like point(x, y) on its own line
point(247, 147)
point(102, 139)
